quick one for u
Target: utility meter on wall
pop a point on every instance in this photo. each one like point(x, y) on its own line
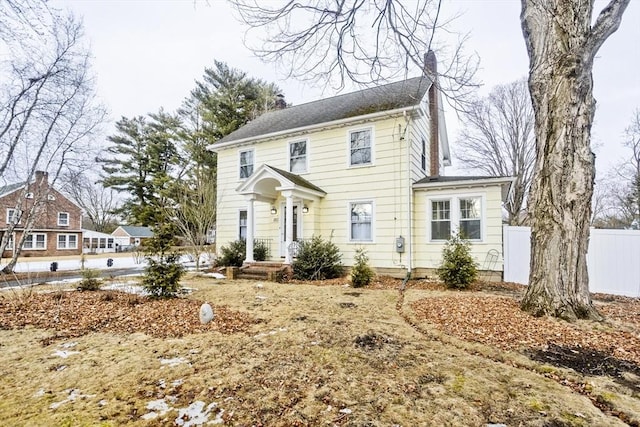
point(400, 244)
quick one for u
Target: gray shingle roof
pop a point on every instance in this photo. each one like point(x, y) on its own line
point(11, 188)
point(391, 96)
point(137, 231)
point(297, 179)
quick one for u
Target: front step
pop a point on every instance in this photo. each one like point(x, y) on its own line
point(269, 271)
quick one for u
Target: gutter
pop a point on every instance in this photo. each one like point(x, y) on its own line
point(215, 147)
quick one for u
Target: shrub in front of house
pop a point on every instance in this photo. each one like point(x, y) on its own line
point(90, 280)
point(458, 268)
point(317, 259)
point(361, 272)
point(163, 272)
point(234, 254)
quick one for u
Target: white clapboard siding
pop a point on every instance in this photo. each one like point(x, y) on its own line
point(613, 259)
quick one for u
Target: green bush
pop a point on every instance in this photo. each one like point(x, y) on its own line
point(90, 280)
point(317, 259)
point(162, 276)
point(361, 272)
point(235, 253)
point(458, 269)
point(163, 272)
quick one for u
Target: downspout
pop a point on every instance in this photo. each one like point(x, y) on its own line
point(409, 200)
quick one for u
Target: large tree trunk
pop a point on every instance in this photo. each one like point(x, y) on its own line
point(562, 44)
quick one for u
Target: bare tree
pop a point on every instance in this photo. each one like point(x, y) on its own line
point(631, 169)
point(357, 40)
point(195, 212)
point(562, 39)
point(48, 112)
point(97, 202)
point(562, 43)
point(497, 140)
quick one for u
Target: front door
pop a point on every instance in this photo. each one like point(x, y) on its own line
point(297, 226)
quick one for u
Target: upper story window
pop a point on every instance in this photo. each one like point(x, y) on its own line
point(360, 147)
point(423, 155)
point(36, 241)
point(63, 218)
point(51, 197)
point(246, 163)
point(298, 156)
point(242, 225)
point(28, 196)
point(13, 216)
point(361, 221)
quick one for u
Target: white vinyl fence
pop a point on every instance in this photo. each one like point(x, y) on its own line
point(613, 259)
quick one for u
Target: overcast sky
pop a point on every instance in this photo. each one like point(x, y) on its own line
point(148, 54)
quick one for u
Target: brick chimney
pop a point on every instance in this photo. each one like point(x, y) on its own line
point(42, 177)
point(280, 103)
point(431, 71)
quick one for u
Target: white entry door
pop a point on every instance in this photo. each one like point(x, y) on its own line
point(297, 226)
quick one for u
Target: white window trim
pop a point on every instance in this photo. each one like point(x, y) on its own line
point(373, 221)
point(34, 240)
point(306, 156)
point(237, 236)
point(373, 151)
point(11, 243)
point(11, 221)
point(68, 219)
point(66, 240)
point(28, 196)
point(253, 150)
point(454, 205)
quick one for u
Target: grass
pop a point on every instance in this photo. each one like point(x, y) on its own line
point(320, 355)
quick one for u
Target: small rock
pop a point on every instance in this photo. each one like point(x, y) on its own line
point(206, 313)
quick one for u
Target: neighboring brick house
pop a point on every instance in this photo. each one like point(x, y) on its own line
point(57, 220)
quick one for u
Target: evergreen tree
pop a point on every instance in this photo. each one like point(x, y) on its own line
point(140, 162)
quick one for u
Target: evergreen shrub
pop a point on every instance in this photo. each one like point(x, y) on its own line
point(317, 259)
point(458, 268)
point(361, 272)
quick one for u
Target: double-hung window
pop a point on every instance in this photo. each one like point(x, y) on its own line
point(360, 147)
point(298, 156)
point(440, 219)
point(13, 216)
point(361, 221)
point(242, 225)
point(35, 241)
point(67, 241)
point(470, 222)
point(246, 163)
point(63, 218)
point(457, 214)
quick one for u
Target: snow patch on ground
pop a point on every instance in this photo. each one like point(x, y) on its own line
point(174, 361)
point(130, 287)
point(64, 353)
point(272, 332)
point(73, 394)
point(196, 414)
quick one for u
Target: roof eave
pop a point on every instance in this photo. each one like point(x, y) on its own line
point(215, 147)
point(466, 183)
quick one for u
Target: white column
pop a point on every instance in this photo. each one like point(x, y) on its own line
point(250, 222)
point(289, 228)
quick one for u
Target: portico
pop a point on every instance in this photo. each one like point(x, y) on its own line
point(266, 185)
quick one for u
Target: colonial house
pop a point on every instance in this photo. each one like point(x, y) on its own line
point(364, 169)
point(53, 222)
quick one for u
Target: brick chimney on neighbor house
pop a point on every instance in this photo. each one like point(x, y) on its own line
point(42, 177)
point(431, 71)
point(280, 103)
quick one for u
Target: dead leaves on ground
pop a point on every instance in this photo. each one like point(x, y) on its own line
point(498, 321)
point(75, 313)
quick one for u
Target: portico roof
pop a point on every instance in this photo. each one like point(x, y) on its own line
point(267, 182)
